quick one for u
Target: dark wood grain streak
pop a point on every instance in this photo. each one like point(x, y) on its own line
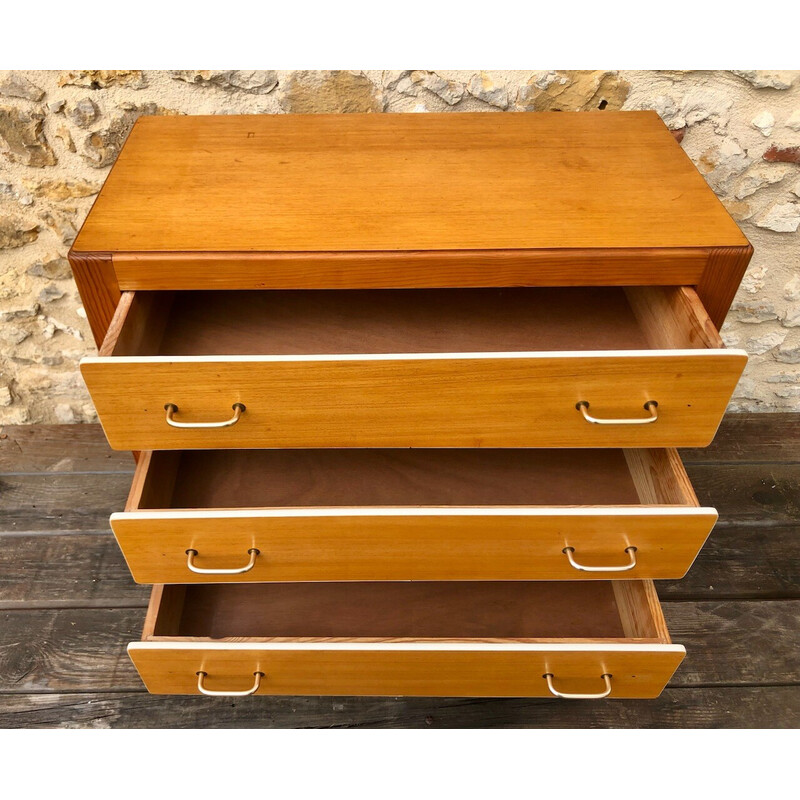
point(729, 707)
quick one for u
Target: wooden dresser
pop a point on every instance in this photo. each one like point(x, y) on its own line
point(405, 392)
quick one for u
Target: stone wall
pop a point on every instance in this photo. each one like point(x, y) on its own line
point(61, 131)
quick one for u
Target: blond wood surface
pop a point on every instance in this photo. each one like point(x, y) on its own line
point(400, 182)
point(672, 317)
point(400, 544)
point(659, 477)
point(474, 400)
point(639, 610)
point(413, 269)
point(515, 670)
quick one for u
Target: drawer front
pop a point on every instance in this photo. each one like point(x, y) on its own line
point(403, 544)
point(431, 400)
point(434, 669)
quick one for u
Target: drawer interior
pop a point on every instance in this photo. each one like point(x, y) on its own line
point(320, 322)
point(408, 477)
point(484, 610)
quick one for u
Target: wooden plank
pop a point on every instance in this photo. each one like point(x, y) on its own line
point(76, 649)
point(741, 562)
point(48, 570)
point(61, 501)
point(83, 448)
point(730, 643)
point(755, 495)
point(736, 642)
point(754, 438)
point(713, 708)
point(59, 448)
point(742, 493)
point(51, 570)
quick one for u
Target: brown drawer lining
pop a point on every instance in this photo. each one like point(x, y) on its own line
point(442, 610)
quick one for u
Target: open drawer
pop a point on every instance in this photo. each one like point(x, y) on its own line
point(519, 367)
point(429, 514)
point(480, 639)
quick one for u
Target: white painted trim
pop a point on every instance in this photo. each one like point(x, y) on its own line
point(487, 647)
point(419, 511)
point(266, 359)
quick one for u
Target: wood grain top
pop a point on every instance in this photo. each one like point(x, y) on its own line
point(402, 183)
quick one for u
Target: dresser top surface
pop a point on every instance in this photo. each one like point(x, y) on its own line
point(404, 182)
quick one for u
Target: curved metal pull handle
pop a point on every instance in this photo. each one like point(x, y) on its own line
point(201, 676)
point(192, 554)
point(650, 406)
point(172, 409)
point(631, 551)
point(599, 696)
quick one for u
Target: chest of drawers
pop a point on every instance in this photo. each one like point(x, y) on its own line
point(404, 392)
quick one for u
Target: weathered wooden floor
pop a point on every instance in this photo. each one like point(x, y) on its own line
point(68, 606)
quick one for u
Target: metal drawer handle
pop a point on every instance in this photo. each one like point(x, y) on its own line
point(624, 568)
point(201, 676)
point(651, 406)
point(599, 696)
point(172, 409)
point(192, 554)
